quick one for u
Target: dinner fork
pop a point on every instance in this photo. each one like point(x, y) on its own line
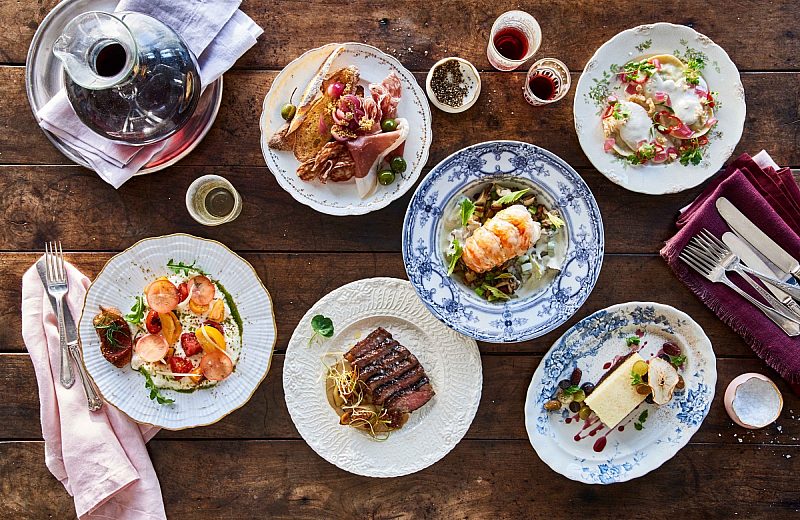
point(57, 288)
point(731, 262)
point(714, 272)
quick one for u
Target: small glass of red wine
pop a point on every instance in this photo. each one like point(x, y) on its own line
point(515, 37)
point(547, 81)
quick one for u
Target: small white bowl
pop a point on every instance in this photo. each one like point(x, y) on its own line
point(731, 399)
point(472, 80)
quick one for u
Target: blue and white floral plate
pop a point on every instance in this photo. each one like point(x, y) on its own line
point(424, 241)
point(589, 345)
point(598, 81)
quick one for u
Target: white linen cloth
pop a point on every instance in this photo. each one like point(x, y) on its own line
point(216, 31)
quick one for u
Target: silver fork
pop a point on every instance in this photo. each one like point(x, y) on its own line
point(57, 288)
point(713, 271)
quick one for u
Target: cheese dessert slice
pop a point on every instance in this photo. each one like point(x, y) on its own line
point(615, 397)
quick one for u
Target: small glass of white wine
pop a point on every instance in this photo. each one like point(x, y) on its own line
point(212, 200)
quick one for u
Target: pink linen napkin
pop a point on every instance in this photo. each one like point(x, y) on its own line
point(100, 457)
point(216, 31)
point(770, 198)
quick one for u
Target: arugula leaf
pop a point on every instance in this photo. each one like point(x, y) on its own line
point(467, 209)
point(571, 390)
point(636, 379)
point(513, 196)
point(137, 311)
point(677, 361)
point(495, 293)
point(181, 268)
point(452, 258)
point(633, 340)
point(155, 395)
point(322, 326)
point(693, 156)
point(640, 423)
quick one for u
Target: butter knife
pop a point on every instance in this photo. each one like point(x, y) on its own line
point(745, 228)
point(751, 259)
point(92, 396)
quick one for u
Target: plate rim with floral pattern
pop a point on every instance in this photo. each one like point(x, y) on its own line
point(124, 388)
point(452, 362)
point(676, 421)
point(659, 38)
point(518, 319)
point(283, 164)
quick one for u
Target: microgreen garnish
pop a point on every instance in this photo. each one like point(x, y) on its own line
point(642, 418)
point(677, 361)
point(452, 258)
point(571, 390)
point(322, 326)
point(692, 155)
point(633, 340)
point(636, 379)
point(620, 112)
point(155, 395)
point(512, 197)
point(137, 311)
point(181, 268)
point(111, 329)
point(467, 209)
point(637, 70)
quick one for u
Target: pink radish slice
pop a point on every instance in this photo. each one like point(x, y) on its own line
point(202, 290)
point(152, 347)
point(216, 366)
point(162, 296)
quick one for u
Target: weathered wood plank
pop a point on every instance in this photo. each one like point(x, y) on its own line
point(500, 113)
point(479, 479)
point(294, 288)
point(419, 33)
point(500, 416)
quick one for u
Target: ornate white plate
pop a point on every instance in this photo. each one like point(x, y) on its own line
point(341, 198)
point(589, 345)
point(452, 362)
point(125, 276)
point(598, 81)
point(558, 185)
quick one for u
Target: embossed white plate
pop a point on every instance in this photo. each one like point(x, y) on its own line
point(589, 345)
point(597, 81)
point(125, 276)
point(341, 198)
point(451, 361)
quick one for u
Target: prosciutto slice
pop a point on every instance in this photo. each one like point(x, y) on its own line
point(369, 150)
point(387, 95)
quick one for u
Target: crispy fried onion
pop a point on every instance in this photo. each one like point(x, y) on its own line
point(333, 162)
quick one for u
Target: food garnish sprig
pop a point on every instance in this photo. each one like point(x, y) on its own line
point(322, 326)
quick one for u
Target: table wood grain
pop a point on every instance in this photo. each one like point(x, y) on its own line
point(253, 463)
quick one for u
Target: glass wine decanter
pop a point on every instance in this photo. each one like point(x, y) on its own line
point(128, 76)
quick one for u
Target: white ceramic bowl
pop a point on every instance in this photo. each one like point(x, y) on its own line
point(472, 80)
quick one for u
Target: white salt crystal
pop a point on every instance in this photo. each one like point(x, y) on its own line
point(756, 403)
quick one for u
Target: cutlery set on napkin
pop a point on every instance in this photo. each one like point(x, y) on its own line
point(747, 222)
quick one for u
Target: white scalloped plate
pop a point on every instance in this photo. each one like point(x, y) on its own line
point(452, 362)
point(645, 40)
point(125, 276)
point(341, 198)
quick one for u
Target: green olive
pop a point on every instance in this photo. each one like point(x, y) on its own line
point(386, 177)
point(398, 164)
point(389, 125)
point(288, 111)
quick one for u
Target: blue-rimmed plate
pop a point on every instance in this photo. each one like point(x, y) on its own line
point(591, 345)
point(535, 312)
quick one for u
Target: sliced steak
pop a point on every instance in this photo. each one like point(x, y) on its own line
point(376, 353)
point(410, 400)
point(394, 356)
point(391, 373)
point(407, 380)
point(375, 338)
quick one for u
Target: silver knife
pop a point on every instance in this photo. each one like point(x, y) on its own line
point(757, 238)
point(92, 396)
point(751, 259)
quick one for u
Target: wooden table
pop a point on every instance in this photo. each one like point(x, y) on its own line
point(253, 463)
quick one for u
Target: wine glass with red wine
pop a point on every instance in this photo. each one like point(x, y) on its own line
point(547, 81)
point(515, 37)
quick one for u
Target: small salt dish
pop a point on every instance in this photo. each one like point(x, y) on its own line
point(471, 81)
point(753, 401)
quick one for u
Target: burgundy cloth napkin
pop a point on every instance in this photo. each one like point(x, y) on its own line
point(770, 198)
